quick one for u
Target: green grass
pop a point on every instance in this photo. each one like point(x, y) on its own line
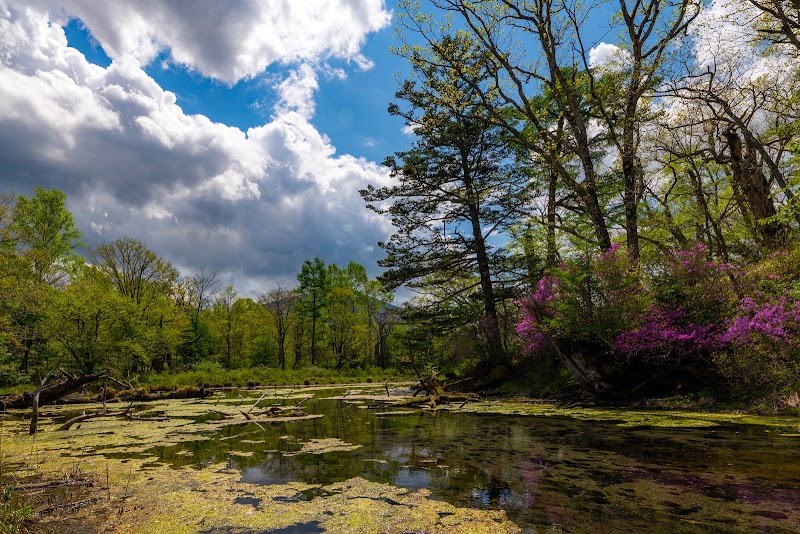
point(212, 375)
point(14, 516)
point(263, 376)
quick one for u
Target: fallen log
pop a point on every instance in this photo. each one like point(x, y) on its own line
point(50, 393)
point(84, 416)
point(72, 506)
point(126, 413)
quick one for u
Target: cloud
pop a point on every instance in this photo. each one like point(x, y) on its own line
point(409, 129)
point(253, 205)
point(724, 36)
point(297, 92)
point(721, 31)
point(228, 40)
point(606, 55)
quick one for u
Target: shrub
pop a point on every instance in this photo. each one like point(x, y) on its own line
point(586, 301)
point(741, 323)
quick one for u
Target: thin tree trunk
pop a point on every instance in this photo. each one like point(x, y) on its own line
point(314, 331)
point(23, 366)
point(35, 408)
point(487, 290)
point(552, 251)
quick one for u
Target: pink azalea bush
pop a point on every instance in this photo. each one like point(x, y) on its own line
point(745, 321)
point(583, 300)
point(665, 332)
point(529, 330)
point(762, 336)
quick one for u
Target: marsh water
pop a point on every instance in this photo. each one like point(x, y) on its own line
point(550, 474)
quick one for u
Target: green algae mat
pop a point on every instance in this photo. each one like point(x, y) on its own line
point(354, 463)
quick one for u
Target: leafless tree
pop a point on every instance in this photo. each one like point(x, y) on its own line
point(280, 302)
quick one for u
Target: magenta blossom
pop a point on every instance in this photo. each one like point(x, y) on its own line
point(666, 331)
point(777, 321)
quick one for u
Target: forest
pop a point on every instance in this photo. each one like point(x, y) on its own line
point(585, 311)
point(625, 211)
point(620, 218)
point(126, 311)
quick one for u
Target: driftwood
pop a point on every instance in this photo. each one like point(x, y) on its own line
point(142, 395)
point(435, 400)
point(72, 506)
point(256, 403)
point(433, 386)
point(104, 413)
point(85, 416)
point(278, 411)
point(51, 393)
point(126, 413)
point(435, 392)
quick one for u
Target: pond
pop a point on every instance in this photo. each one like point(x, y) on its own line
point(556, 473)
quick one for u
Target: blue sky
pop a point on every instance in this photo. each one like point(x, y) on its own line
point(232, 135)
point(351, 111)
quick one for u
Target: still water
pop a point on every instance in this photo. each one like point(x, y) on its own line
point(550, 474)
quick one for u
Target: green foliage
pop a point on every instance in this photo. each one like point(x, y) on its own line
point(14, 515)
point(597, 297)
point(213, 374)
point(134, 271)
point(314, 285)
point(37, 242)
point(696, 283)
point(263, 351)
point(197, 343)
point(46, 234)
point(763, 362)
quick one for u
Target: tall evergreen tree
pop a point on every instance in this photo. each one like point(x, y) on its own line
point(456, 188)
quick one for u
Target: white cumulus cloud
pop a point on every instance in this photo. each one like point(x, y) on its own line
point(607, 55)
point(253, 205)
point(232, 39)
point(297, 92)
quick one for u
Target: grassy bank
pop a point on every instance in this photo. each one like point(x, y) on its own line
point(214, 376)
point(264, 376)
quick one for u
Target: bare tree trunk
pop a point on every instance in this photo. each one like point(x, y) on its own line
point(552, 250)
point(35, 407)
point(630, 199)
point(492, 326)
point(750, 178)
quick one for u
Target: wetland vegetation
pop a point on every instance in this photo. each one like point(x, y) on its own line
point(616, 237)
point(355, 463)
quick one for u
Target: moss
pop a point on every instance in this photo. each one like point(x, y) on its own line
point(194, 498)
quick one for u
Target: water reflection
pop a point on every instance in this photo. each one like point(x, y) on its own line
point(543, 471)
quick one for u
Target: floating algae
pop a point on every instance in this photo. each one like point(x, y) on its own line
point(321, 446)
point(625, 417)
point(549, 468)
